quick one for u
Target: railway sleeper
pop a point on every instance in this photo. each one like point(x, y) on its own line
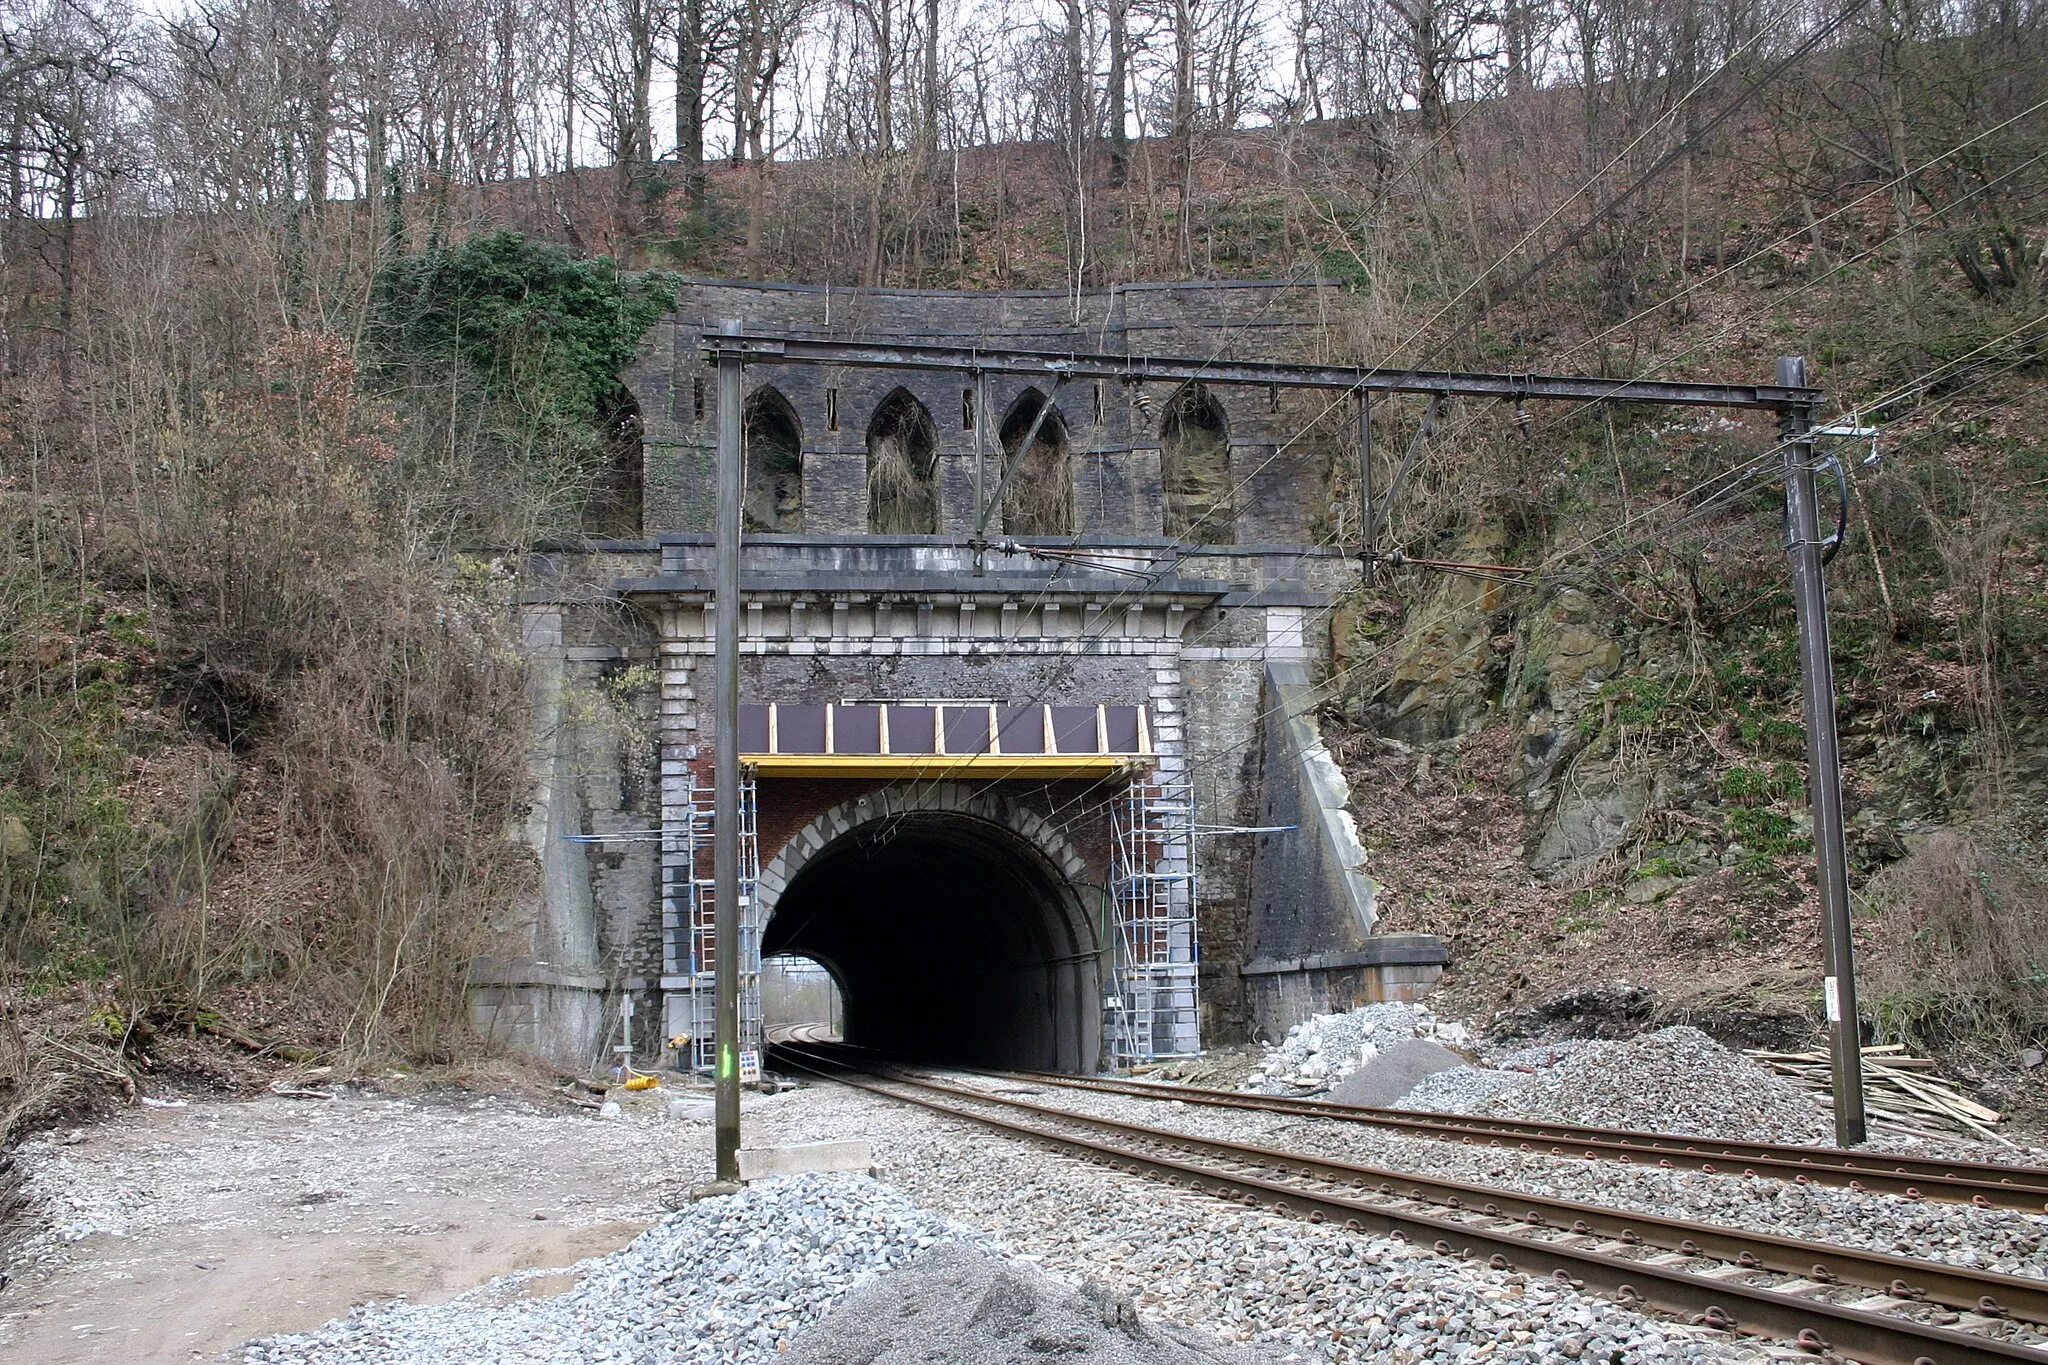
point(1811, 1322)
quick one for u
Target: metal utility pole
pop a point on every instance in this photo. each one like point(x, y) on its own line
point(1823, 758)
point(980, 540)
point(725, 826)
point(1366, 530)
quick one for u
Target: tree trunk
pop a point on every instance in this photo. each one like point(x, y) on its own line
point(1119, 136)
point(67, 272)
point(931, 76)
point(881, 21)
point(569, 91)
point(690, 101)
point(1515, 37)
point(1079, 139)
point(507, 131)
point(1077, 90)
point(640, 38)
point(1184, 125)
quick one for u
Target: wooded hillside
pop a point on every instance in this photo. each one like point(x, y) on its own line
point(310, 315)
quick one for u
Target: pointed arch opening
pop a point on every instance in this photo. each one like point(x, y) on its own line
point(613, 507)
point(1194, 468)
point(903, 483)
point(775, 463)
point(1039, 498)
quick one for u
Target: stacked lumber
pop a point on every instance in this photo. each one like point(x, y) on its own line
point(1900, 1091)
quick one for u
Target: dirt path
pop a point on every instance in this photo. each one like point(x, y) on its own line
point(177, 1234)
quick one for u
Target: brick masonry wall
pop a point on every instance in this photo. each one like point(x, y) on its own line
point(1114, 442)
point(836, 614)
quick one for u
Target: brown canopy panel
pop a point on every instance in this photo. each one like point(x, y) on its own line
point(934, 739)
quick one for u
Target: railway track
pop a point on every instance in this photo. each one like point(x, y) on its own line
point(816, 1035)
point(1986, 1184)
point(1866, 1306)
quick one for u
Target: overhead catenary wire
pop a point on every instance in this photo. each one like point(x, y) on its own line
point(1807, 229)
point(1886, 399)
point(1754, 86)
point(1735, 486)
point(1149, 579)
point(1662, 363)
point(1777, 303)
point(1619, 157)
point(1528, 580)
point(1229, 752)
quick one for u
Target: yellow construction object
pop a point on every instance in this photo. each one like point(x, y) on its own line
point(943, 765)
point(643, 1082)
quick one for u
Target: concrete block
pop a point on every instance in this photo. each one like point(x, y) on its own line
point(808, 1158)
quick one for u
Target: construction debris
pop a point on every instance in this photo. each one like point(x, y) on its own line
point(1900, 1092)
point(1325, 1048)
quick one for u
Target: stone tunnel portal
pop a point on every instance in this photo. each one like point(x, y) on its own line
point(953, 940)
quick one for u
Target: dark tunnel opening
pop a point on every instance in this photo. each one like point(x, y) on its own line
point(953, 941)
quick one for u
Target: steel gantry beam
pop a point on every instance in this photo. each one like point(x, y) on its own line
point(1166, 369)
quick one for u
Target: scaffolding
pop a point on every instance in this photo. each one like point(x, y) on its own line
point(1154, 1004)
point(689, 924)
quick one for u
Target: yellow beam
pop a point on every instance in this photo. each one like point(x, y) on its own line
point(1041, 766)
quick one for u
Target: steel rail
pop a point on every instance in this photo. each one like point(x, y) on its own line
point(1955, 1286)
point(1129, 369)
point(1984, 1183)
point(1715, 1298)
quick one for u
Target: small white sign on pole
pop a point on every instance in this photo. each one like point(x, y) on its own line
point(750, 1067)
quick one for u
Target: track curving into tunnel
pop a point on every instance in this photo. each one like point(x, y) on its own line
point(953, 940)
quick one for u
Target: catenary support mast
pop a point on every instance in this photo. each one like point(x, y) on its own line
point(725, 829)
point(1823, 759)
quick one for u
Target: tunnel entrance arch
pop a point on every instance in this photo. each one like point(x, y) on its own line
point(957, 924)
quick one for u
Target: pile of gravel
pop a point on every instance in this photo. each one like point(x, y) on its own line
point(960, 1305)
point(1676, 1080)
point(726, 1279)
point(1325, 1048)
point(1468, 1089)
point(1461, 1090)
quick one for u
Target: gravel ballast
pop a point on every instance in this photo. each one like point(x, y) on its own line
point(735, 1278)
point(2007, 1240)
point(1676, 1080)
point(729, 1278)
point(1292, 1289)
point(958, 1303)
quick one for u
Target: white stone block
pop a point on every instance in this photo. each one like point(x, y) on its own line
point(809, 1158)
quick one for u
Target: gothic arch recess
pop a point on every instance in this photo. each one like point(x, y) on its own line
point(1194, 468)
point(1039, 500)
point(775, 463)
point(614, 506)
point(903, 484)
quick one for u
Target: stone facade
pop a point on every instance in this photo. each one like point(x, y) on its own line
point(1279, 482)
point(620, 634)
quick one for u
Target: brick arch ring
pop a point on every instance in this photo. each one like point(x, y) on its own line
point(905, 798)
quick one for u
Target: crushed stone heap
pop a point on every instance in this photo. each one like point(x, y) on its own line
point(960, 1305)
point(1325, 1048)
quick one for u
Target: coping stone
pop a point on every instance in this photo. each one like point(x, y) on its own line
point(855, 1154)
